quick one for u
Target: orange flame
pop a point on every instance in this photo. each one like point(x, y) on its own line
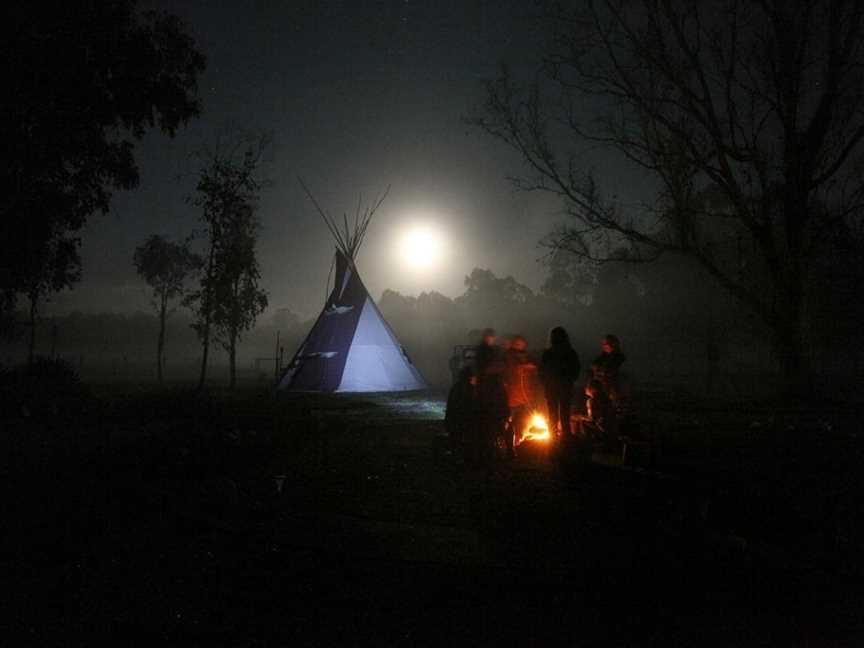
point(538, 429)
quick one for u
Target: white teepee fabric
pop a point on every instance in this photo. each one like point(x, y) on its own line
point(351, 348)
point(376, 361)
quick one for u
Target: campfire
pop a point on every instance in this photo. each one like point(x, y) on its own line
point(538, 429)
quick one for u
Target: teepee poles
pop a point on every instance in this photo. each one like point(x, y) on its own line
point(350, 238)
point(335, 232)
point(367, 217)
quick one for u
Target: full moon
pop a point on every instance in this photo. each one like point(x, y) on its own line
point(421, 247)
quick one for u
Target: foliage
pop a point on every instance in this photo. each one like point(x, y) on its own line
point(82, 84)
point(569, 280)
point(482, 288)
point(51, 266)
point(165, 266)
point(746, 117)
point(228, 299)
point(677, 330)
point(42, 390)
point(431, 324)
point(239, 305)
point(236, 297)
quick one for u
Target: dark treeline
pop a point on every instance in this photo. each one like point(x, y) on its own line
point(83, 86)
point(123, 346)
point(741, 270)
point(755, 171)
point(678, 330)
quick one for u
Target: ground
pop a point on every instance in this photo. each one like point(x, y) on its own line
point(243, 519)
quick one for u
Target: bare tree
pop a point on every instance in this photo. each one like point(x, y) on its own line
point(747, 116)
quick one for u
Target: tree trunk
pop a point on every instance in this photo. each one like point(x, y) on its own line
point(206, 348)
point(277, 364)
point(31, 348)
point(233, 333)
point(793, 358)
point(232, 359)
point(791, 350)
point(160, 345)
point(53, 339)
point(206, 307)
point(796, 369)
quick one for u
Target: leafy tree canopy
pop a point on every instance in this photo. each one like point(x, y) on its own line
point(83, 82)
point(165, 265)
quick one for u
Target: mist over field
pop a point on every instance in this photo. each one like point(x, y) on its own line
point(432, 323)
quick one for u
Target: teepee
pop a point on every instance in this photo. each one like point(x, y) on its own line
point(351, 348)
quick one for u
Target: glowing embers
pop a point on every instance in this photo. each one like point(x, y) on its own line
point(537, 430)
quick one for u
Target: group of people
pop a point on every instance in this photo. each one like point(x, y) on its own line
point(494, 398)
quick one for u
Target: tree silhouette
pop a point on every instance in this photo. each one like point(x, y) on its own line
point(82, 83)
point(227, 193)
point(165, 266)
point(237, 300)
point(747, 117)
point(484, 287)
point(53, 264)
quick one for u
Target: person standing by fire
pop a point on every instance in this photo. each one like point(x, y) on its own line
point(487, 355)
point(519, 379)
point(559, 369)
point(491, 395)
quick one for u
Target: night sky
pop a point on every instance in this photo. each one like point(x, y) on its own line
point(357, 95)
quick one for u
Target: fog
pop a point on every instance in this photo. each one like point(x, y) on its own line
point(186, 195)
point(678, 330)
point(358, 101)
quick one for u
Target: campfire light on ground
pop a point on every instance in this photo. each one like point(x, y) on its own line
point(538, 429)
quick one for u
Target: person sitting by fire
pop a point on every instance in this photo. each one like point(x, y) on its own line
point(519, 379)
point(559, 369)
point(606, 368)
point(598, 422)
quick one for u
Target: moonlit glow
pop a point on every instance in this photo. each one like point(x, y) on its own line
point(421, 247)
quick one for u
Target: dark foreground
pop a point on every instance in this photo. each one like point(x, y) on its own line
point(159, 517)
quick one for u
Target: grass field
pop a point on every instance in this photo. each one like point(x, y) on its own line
point(142, 515)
